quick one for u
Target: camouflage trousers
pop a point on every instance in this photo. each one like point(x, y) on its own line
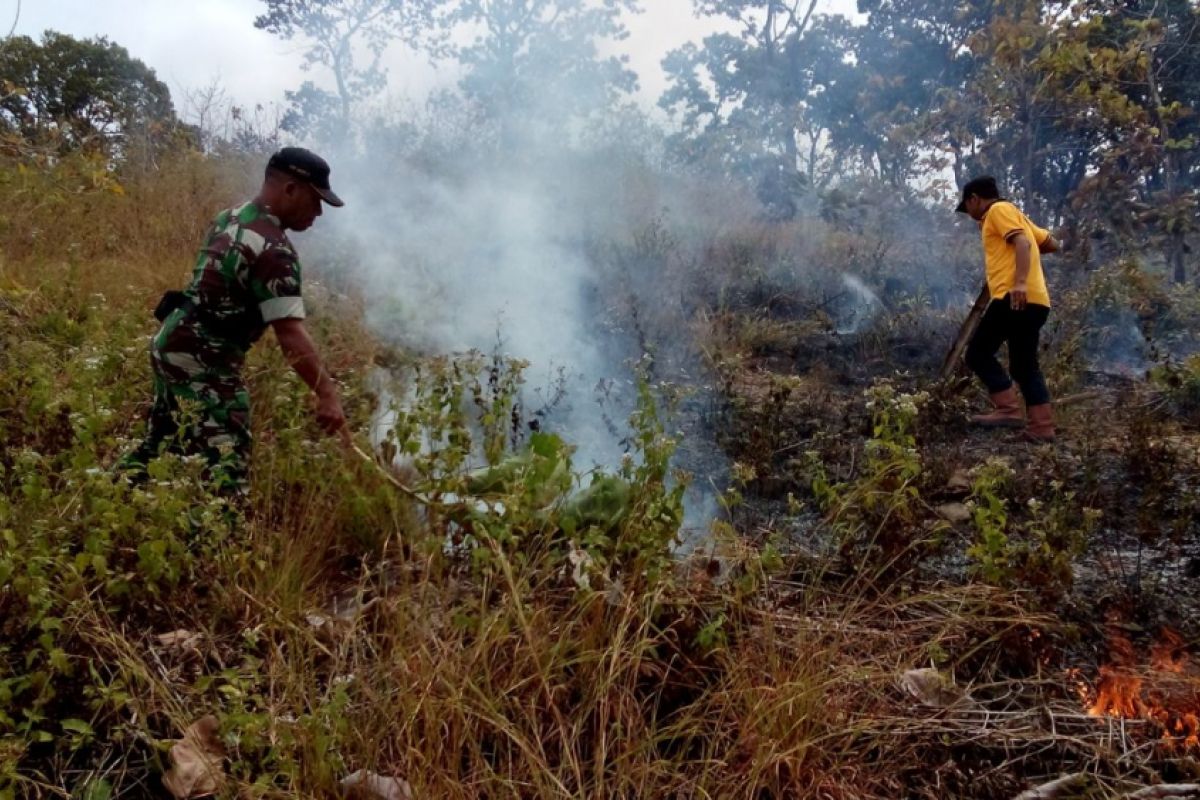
point(198, 409)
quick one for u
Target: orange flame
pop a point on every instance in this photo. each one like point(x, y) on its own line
point(1118, 694)
point(1167, 693)
point(1168, 654)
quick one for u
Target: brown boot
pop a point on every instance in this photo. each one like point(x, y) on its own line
point(1041, 424)
point(1007, 414)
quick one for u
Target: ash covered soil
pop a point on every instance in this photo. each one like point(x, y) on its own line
point(1125, 466)
point(1098, 534)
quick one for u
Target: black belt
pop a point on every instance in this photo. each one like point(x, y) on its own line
point(243, 328)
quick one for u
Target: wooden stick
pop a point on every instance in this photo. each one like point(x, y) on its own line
point(1081, 397)
point(969, 326)
point(396, 482)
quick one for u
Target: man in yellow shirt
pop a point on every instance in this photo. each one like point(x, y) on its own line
point(1012, 250)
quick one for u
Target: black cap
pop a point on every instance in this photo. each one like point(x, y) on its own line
point(308, 167)
point(984, 186)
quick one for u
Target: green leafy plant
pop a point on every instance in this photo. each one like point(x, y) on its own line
point(878, 511)
point(1035, 552)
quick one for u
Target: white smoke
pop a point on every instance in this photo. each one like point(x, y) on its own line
point(492, 258)
point(863, 306)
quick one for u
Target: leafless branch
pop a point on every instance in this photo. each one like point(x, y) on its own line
point(16, 19)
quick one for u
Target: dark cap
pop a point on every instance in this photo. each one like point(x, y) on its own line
point(308, 167)
point(984, 187)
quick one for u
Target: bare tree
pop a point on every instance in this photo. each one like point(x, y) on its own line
point(347, 38)
point(207, 108)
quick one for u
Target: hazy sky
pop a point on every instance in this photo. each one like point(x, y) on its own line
point(192, 43)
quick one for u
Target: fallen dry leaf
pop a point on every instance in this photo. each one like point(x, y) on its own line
point(933, 688)
point(317, 620)
point(370, 786)
point(581, 563)
point(959, 483)
point(1067, 785)
point(954, 512)
point(196, 769)
point(181, 643)
point(180, 638)
point(1177, 791)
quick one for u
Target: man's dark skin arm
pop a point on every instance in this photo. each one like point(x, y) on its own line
point(301, 353)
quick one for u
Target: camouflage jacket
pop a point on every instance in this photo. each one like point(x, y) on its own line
point(246, 276)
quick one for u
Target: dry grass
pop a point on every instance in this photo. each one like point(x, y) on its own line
point(542, 695)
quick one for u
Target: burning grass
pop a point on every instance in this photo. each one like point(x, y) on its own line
point(1161, 689)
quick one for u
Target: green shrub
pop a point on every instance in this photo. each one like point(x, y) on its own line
point(1035, 553)
point(878, 513)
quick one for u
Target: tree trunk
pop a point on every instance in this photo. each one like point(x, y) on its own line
point(1175, 252)
point(1031, 205)
point(339, 75)
point(1174, 248)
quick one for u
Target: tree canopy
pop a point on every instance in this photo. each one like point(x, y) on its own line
point(1086, 110)
point(539, 59)
point(80, 93)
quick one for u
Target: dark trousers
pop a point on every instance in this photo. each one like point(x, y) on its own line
point(1021, 329)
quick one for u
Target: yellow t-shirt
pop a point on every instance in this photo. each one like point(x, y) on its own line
point(1003, 221)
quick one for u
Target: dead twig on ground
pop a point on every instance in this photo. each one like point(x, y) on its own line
point(1081, 397)
point(1055, 788)
point(1166, 791)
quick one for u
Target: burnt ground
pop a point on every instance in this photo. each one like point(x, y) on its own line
point(1121, 450)
point(1103, 527)
point(1100, 536)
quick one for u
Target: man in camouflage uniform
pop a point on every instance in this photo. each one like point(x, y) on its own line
point(246, 277)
